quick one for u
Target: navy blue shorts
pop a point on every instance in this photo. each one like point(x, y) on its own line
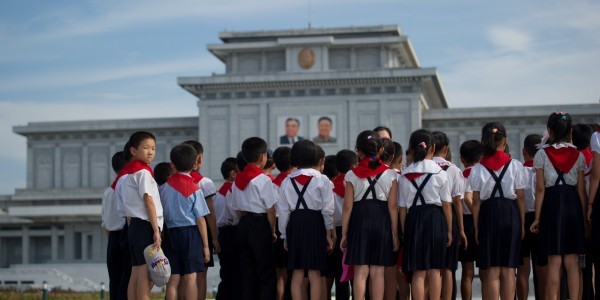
point(186, 252)
point(140, 236)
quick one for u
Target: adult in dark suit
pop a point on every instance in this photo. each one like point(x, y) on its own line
point(292, 126)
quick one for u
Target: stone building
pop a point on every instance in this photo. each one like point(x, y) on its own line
point(358, 77)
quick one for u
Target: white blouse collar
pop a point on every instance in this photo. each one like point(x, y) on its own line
point(424, 166)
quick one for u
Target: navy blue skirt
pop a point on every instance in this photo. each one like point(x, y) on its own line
point(306, 240)
point(499, 233)
point(452, 251)
point(370, 234)
point(470, 253)
point(425, 238)
point(334, 259)
point(561, 222)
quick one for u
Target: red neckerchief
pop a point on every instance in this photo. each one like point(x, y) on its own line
point(338, 185)
point(588, 156)
point(363, 170)
point(563, 158)
point(130, 168)
point(243, 178)
point(280, 177)
point(226, 187)
point(528, 163)
point(184, 184)
point(496, 161)
point(466, 172)
point(271, 176)
point(196, 176)
point(413, 176)
point(302, 179)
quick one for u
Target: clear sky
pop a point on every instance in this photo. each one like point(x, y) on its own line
point(91, 59)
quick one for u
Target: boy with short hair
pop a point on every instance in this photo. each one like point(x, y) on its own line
point(137, 193)
point(184, 209)
point(254, 198)
point(209, 190)
point(118, 258)
point(162, 172)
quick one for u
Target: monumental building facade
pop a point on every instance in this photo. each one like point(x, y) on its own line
point(354, 78)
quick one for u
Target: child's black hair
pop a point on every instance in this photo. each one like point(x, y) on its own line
point(560, 124)
point(118, 161)
point(196, 145)
point(345, 160)
point(492, 135)
point(240, 161)
point(440, 140)
point(270, 162)
point(281, 157)
point(388, 150)
point(397, 151)
point(320, 154)
point(530, 142)
point(470, 151)
point(162, 172)
point(329, 168)
point(594, 126)
point(383, 128)
point(420, 142)
point(369, 143)
point(228, 165)
point(253, 148)
point(304, 154)
point(582, 134)
point(134, 142)
point(183, 157)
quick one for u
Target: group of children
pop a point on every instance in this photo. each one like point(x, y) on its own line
point(399, 232)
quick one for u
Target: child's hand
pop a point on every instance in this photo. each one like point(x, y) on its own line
point(449, 239)
point(522, 232)
point(463, 239)
point(157, 240)
point(330, 244)
point(535, 226)
point(285, 245)
point(274, 237)
point(396, 243)
point(589, 214)
point(476, 236)
point(216, 246)
point(343, 243)
point(206, 254)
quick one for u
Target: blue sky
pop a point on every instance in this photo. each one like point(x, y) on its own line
point(74, 60)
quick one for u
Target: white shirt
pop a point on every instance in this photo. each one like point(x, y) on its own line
point(224, 212)
point(595, 142)
point(131, 189)
point(208, 187)
point(318, 196)
point(437, 189)
point(482, 181)
point(529, 174)
point(455, 177)
point(111, 220)
point(337, 209)
point(541, 161)
point(468, 189)
point(257, 197)
point(382, 187)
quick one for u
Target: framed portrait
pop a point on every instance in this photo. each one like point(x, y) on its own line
point(290, 129)
point(323, 128)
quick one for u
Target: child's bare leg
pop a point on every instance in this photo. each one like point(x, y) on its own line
point(466, 282)
point(281, 274)
point(491, 283)
point(553, 276)
point(391, 283)
point(573, 273)
point(418, 285)
point(361, 272)
point(434, 284)
point(316, 291)
point(144, 285)
point(190, 286)
point(403, 286)
point(172, 287)
point(132, 286)
point(523, 279)
point(507, 283)
point(328, 285)
point(377, 282)
point(201, 284)
point(296, 286)
point(446, 284)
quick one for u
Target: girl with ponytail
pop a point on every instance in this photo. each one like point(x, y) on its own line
point(369, 217)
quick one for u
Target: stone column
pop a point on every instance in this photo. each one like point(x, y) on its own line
point(85, 166)
point(54, 244)
point(69, 242)
point(57, 167)
point(25, 245)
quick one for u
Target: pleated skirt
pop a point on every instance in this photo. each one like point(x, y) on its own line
point(306, 240)
point(470, 253)
point(499, 234)
point(425, 238)
point(452, 251)
point(561, 229)
point(370, 234)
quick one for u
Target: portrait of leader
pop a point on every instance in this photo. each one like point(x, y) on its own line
point(324, 130)
point(292, 127)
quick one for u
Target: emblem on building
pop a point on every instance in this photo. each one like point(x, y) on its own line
point(306, 58)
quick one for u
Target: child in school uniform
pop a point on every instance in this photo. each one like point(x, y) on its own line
point(137, 192)
point(184, 211)
point(470, 154)
point(209, 190)
point(369, 217)
point(162, 172)
point(269, 165)
point(560, 204)
point(254, 198)
point(441, 156)
point(593, 206)
point(426, 217)
point(498, 212)
point(118, 258)
point(529, 243)
point(306, 218)
point(330, 272)
point(227, 223)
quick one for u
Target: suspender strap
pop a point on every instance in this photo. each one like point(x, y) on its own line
point(498, 180)
point(418, 194)
point(445, 168)
point(371, 188)
point(560, 178)
point(300, 193)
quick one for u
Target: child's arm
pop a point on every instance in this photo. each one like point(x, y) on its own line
point(212, 223)
point(521, 205)
point(447, 208)
point(151, 211)
point(457, 206)
point(469, 200)
point(346, 211)
point(475, 211)
point(201, 223)
point(583, 198)
point(402, 218)
point(272, 219)
point(328, 207)
point(594, 180)
point(393, 210)
point(540, 189)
